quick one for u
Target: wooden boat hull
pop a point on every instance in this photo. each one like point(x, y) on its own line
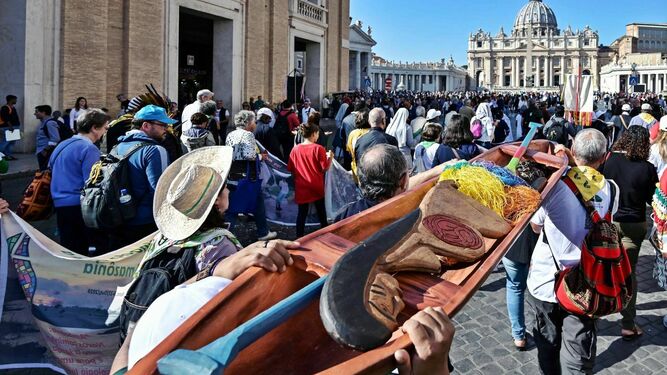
point(301, 345)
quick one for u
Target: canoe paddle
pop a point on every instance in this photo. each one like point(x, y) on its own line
point(216, 356)
point(524, 146)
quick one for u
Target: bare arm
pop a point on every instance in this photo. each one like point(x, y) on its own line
point(121, 359)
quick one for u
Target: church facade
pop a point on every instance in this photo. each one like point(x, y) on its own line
point(536, 54)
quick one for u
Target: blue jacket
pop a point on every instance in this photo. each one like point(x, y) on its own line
point(70, 163)
point(43, 140)
point(146, 167)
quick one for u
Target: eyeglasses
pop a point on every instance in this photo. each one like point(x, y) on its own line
point(158, 124)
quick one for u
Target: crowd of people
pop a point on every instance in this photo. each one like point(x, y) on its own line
point(389, 143)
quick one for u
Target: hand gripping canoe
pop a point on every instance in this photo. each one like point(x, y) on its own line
point(348, 314)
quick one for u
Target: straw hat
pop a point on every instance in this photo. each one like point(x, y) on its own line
point(188, 188)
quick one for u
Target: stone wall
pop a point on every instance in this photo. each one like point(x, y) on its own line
point(110, 47)
point(12, 50)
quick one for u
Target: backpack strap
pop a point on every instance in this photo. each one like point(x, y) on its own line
point(62, 149)
point(456, 153)
point(623, 122)
point(592, 212)
point(546, 241)
point(134, 149)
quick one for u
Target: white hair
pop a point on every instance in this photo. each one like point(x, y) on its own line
point(375, 116)
point(589, 146)
point(420, 111)
point(203, 92)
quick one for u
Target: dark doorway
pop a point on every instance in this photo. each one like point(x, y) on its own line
point(622, 84)
point(195, 57)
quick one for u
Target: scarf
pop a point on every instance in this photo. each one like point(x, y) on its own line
point(588, 181)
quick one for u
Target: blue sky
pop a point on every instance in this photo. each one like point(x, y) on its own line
point(428, 30)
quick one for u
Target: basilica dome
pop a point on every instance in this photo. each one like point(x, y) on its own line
point(536, 14)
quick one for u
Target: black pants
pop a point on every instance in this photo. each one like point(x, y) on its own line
point(75, 236)
point(129, 234)
point(287, 143)
point(43, 160)
point(303, 213)
point(566, 343)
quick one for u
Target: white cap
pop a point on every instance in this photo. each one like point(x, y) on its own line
point(626, 107)
point(432, 113)
point(646, 107)
point(663, 123)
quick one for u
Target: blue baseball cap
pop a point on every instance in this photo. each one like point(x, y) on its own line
point(154, 113)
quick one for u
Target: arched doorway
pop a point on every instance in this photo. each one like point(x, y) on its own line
point(479, 78)
point(586, 72)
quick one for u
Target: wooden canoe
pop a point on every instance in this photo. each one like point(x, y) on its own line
point(301, 345)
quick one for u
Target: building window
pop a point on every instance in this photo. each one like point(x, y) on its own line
point(479, 44)
point(587, 42)
point(507, 44)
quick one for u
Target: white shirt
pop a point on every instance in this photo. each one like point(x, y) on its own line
point(73, 114)
point(563, 218)
point(168, 312)
point(305, 112)
point(188, 111)
point(655, 159)
point(519, 129)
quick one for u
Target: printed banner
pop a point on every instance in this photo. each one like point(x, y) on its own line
point(278, 189)
point(55, 299)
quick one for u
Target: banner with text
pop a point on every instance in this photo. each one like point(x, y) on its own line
point(55, 299)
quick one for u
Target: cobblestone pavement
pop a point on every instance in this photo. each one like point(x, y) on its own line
point(483, 344)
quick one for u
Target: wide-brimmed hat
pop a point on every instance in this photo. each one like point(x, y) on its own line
point(188, 188)
point(432, 113)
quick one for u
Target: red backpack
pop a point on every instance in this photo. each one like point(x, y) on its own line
point(600, 284)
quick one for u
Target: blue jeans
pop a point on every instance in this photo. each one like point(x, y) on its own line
point(260, 213)
point(5, 146)
point(517, 273)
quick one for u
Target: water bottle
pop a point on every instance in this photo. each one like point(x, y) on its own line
point(127, 210)
point(125, 197)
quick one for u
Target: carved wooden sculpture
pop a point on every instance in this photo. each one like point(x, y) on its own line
point(361, 301)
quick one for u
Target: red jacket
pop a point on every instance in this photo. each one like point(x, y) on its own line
point(292, 119)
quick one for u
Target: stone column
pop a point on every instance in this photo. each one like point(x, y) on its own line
point(562, 70)
point(515, 73)
point(501, 71)
point(357, 70)
point(538, 73)
point(549, 72)
point(526, 65)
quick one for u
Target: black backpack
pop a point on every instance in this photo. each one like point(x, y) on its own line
point(281, 127)
point(157, 276)
point(64, 131)
point(557, 133)
point(106, 201)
